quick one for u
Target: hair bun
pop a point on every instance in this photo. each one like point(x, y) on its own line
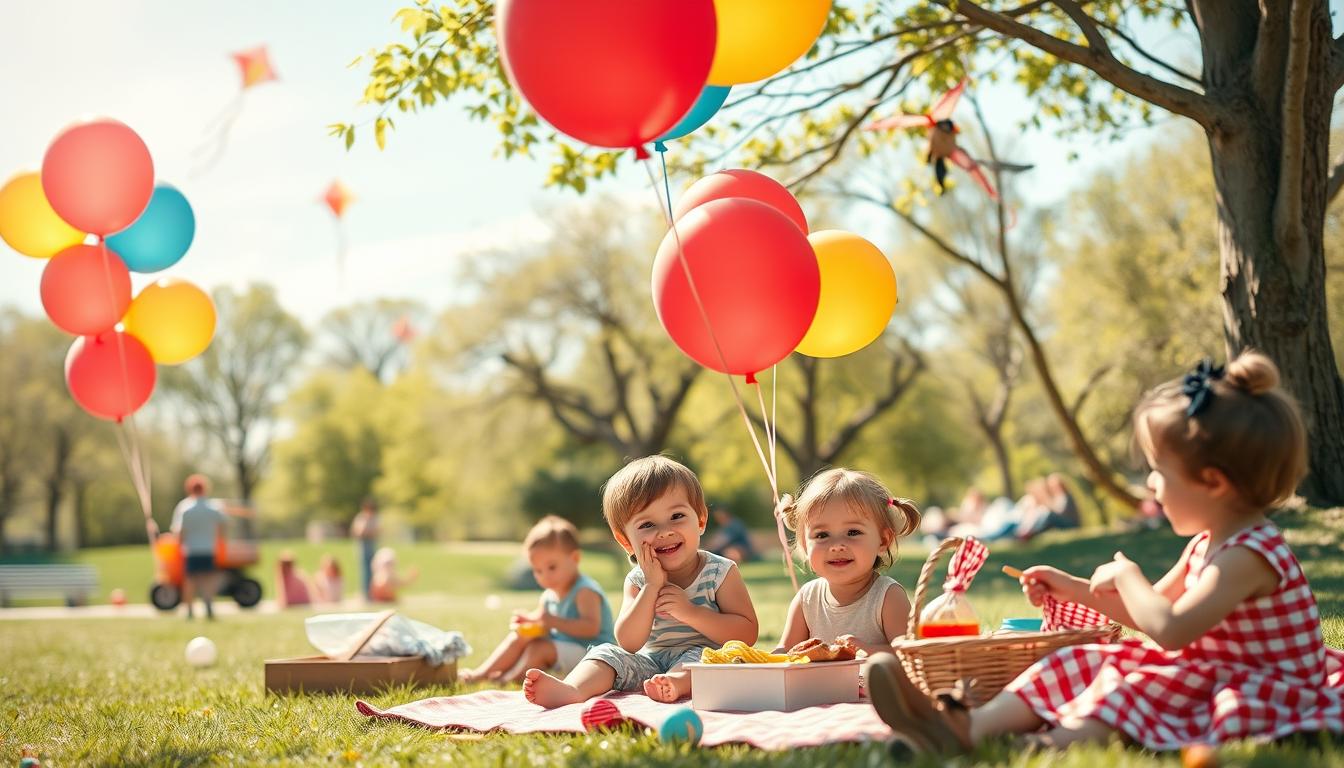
point(1253, 373)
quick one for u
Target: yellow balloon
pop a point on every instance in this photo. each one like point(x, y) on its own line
point(174, 319)
point(758, 38)
point(27, 221)
point(858, 295)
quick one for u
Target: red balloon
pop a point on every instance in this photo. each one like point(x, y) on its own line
point(86, 289)
point(98, 176)
point(756, 275)
point(742, 183)
point(612, 73)
point(110, 375)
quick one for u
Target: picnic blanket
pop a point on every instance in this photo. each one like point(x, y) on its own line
point(509, 711)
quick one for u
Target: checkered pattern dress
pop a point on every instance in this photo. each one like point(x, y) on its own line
point(1263, 672)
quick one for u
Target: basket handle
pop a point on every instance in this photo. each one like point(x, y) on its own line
point(949, 544)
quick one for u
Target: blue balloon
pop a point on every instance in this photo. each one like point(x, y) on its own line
point(162, 234)
point(706, 105)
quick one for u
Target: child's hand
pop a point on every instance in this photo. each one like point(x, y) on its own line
point(654, 575)
point(1103, 579)
point(1041, 580)
point(526, 617)
point(673, 602)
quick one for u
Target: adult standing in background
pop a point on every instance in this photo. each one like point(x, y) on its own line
point(198, 523)
point(365, 531)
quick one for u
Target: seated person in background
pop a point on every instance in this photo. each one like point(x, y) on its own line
point(291, 583)
point(1000, 519)
point(386, 580)
point(1055, 509)
point(732, 539)
point(966, 520)
point(328, 586)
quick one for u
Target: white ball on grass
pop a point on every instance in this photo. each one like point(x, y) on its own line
point(492, 602)
point(201, 652)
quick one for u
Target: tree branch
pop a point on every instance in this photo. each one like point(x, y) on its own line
point(1091, 384)
point(1288, 201)
point(1087, 25)
point(1172, 98)
point(900, 378)
point(1134, 46)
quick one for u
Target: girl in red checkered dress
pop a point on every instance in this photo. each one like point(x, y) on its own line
point(1234, 646)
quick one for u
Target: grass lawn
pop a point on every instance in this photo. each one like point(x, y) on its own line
point(116, 691)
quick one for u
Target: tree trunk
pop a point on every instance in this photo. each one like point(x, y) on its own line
point(60, 462)
point(81, 521)
point(243, 470)
point(1001, 458)
point(1273, 281)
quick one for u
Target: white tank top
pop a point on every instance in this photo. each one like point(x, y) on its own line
point(827, 619)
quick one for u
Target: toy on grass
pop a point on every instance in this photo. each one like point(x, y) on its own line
point(601, 714)
point(28, 760)
point(201, 652)
point(1199, 756)
point(117, 597)
point(682, 725)
point(531, 629)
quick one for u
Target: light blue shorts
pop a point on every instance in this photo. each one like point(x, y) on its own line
point(632, 669)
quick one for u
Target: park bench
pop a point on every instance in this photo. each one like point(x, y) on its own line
point(76, 583)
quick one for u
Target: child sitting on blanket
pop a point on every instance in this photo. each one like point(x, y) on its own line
point(572, 617)
point(1235, 648)
point(679, 599)
point(847, 524)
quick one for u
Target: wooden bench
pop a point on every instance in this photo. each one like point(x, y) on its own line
point(76, 583)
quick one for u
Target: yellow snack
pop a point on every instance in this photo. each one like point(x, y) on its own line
point(531, 629)
point(738, 652)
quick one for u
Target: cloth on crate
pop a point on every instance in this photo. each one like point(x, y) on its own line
point(1263, 672)
point(509, 711)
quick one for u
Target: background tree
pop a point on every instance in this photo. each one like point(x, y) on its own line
point(229, 393)
point(375, 335)
point(1262, 93)
point(570, 324)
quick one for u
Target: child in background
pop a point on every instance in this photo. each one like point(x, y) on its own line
point(327, 583)
point(386, 580)
point(1235, 648)
point(679, 599)
point(291, 583)
point(573, 614)
point(847, 525)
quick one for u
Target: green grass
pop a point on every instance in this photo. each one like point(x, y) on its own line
point(109, 691)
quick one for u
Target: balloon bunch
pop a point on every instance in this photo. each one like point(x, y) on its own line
point(767, 287)
point(651, 70)
point(98, 178)
point(739, 284)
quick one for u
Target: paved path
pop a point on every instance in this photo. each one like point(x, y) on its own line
point(224, 607)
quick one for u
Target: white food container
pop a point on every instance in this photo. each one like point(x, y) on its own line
point(773, 687)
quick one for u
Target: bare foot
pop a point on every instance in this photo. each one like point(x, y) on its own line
point(666, 688)
point(546, 691)
point(469, 676)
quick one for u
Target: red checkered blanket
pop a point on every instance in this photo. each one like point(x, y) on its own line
point(509, 711)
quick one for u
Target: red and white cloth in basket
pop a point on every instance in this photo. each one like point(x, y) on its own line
point(1263, 672)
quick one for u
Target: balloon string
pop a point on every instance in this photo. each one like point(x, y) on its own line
point(665, 205)
point(131, 451)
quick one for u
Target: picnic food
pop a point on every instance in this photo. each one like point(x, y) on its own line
point(815, 649)
point(531, 629)
point(950, 614)
point(738, 652)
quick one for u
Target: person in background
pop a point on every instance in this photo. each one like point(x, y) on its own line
point(732, 539)
point(198, 523)
point(292, 586)
point(386, 581)
point(328, 586)
point(364, 529)
point(1055, 509)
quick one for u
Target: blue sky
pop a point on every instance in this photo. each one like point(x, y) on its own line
point(435, 194)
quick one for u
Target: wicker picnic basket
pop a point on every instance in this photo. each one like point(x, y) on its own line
point(987, 663)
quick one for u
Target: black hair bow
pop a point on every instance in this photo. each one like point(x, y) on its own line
point(1198, 385)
